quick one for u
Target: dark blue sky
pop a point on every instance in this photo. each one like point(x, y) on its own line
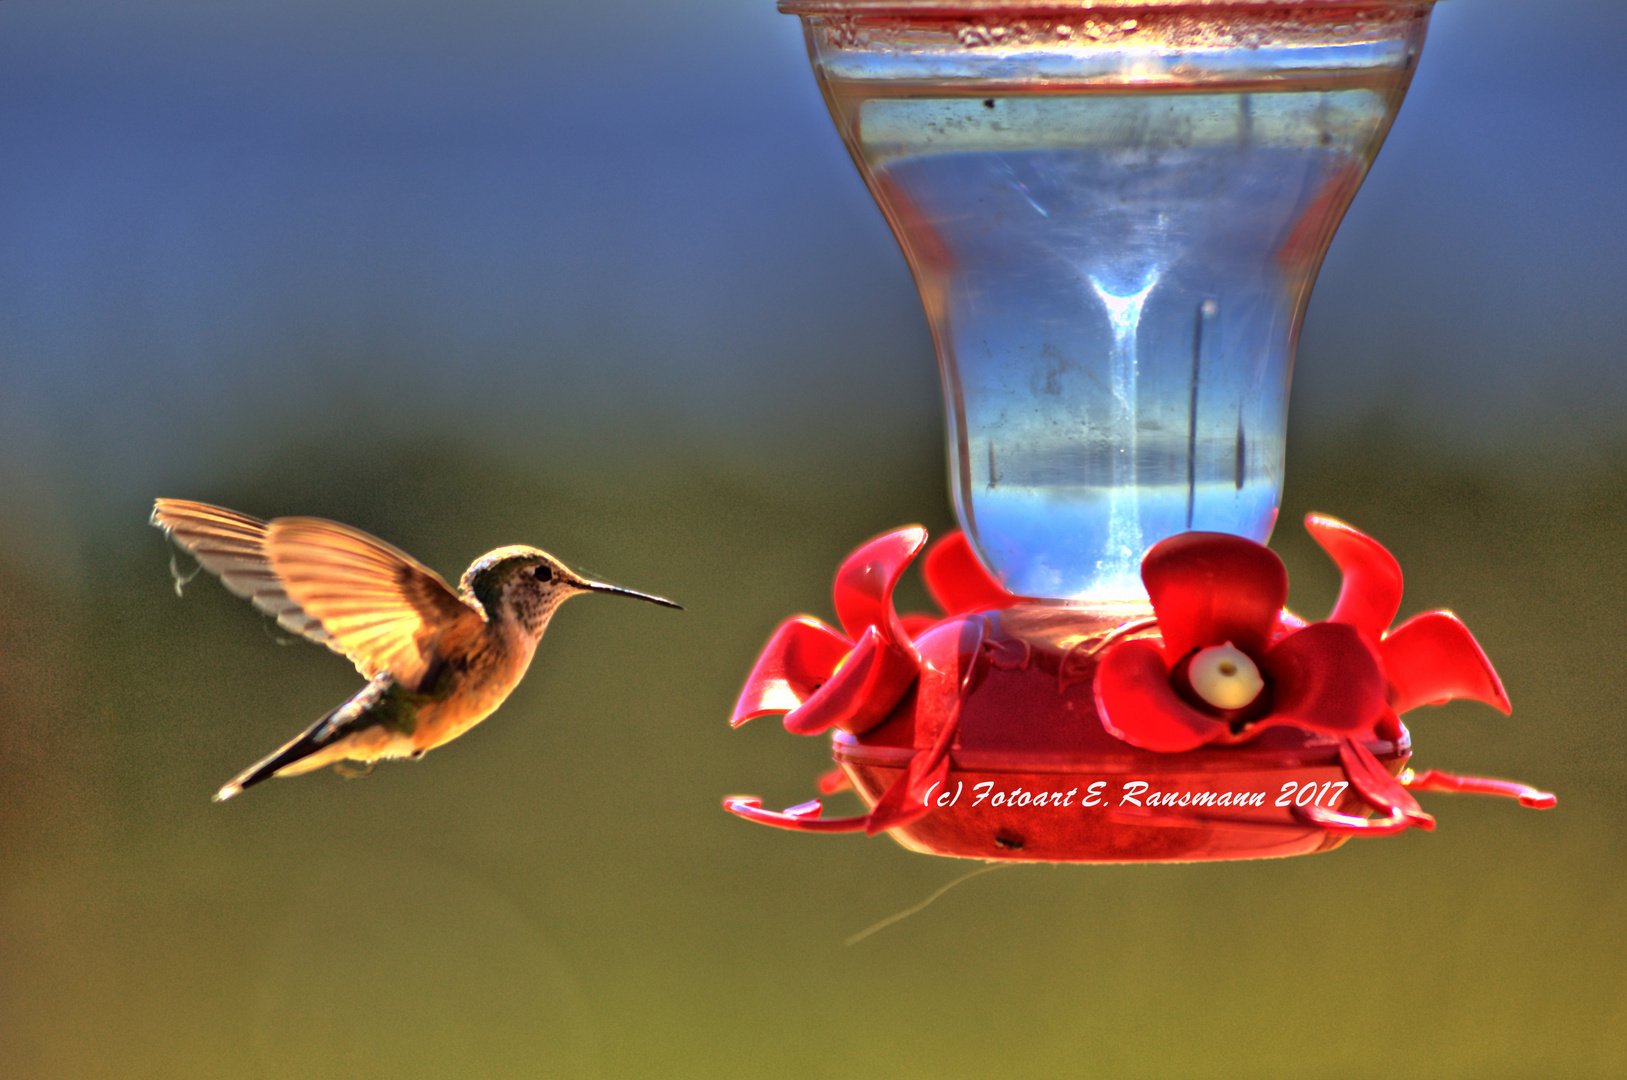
point(224, 226)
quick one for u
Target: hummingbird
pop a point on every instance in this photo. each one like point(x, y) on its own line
point(437, 662)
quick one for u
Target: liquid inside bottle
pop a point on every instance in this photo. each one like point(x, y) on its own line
point(1114, 277)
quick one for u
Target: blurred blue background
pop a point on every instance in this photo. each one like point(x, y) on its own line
point(600, 277)
point(517, 222)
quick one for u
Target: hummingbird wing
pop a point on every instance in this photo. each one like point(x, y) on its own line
point(338, 586)
point(380, 606)
point(232, 547)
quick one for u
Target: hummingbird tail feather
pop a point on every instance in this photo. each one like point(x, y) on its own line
point(351, 731)
point(286, 759)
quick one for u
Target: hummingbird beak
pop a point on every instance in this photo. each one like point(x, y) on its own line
point(617, 590)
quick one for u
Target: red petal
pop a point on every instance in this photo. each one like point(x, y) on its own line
point(906, 800)
point(1353, 825)
point(862, 691)
point(915, 625)
point(949, 660)
point(1208, 588)
point(1433, 658)
point(1371, 593)
point(951, 656)
point(864, 584)
point(902, 802)
point(1324, 678)
point(1373, 782)
point(802, 654)
point(1136, 704)
point(832, 782)
point(1432, 780)
point(803, 818)
point(957, 580)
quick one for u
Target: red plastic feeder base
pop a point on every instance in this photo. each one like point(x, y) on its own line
point(1212, 724)
point(1033, 775)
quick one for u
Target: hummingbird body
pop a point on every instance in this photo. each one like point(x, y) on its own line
point(438, 662)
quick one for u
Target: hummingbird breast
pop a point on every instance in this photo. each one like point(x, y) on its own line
point(475, 684)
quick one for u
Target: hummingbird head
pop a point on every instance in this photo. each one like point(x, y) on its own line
point(524, 585)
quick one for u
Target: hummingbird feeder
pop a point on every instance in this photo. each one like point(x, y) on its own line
point(1114, 211)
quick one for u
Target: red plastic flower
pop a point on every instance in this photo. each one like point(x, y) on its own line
point(1233, 663)
point(1348, 676)
point(821, 678)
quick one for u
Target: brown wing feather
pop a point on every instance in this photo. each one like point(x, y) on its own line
point(232, 547)
point(382, 607)
point(335, 585)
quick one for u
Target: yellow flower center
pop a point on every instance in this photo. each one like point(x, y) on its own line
point(1225, 677)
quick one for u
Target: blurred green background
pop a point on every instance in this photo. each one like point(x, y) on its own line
point(598, 277)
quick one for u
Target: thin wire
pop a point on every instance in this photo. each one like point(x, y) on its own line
point(1192, 417)
point(889, 920)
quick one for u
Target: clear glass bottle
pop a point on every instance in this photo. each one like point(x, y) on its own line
point(1114, 212)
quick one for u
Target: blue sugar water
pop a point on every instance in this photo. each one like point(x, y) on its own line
point(1115, 283)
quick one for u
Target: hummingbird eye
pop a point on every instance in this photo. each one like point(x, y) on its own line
point(543, 573)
